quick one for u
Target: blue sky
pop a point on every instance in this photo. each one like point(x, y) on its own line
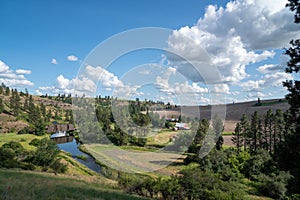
point(43, 45)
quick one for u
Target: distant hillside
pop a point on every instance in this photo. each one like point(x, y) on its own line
point(19, 110)
point(234, 112)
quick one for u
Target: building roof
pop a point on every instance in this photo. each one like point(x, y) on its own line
point(53, 128)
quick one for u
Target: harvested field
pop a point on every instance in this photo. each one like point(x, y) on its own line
point(132, 161)
point(233, 112)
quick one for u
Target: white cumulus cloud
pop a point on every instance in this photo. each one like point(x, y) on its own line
point(72, 58)
point(13, 78)
point(230, 38)
point(23, 71)
point(54, 61)
point(89, 80)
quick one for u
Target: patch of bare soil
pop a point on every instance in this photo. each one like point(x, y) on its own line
point(9, 123)
point(228, 141)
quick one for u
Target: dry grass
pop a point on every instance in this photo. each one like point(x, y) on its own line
point(163, 137)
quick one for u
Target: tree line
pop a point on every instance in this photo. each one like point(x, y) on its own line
point(263, 132)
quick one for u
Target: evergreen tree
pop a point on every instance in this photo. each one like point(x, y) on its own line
point(255, 134)
point(43, 110)
point(26, 92)
point(26, 104)
point(201, 132)
point(279, 126)
point(1, 106)
point(218, 128)
point(245, 130)
point(15, 102)
point(48, 115)
point(7, 91)
point(238, 138)
point(268, 130)
point(290, 149)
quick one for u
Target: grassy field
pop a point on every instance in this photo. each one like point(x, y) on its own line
point(132, 160)
point(24, 139)
point(31, 185)
point(162, 138)
point(227, 133)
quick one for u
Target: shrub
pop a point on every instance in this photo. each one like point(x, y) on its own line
point(25, 130)
point(141, 142)
point(59, 167)
point(274, 186)
point(35, 142)
point(15, 146)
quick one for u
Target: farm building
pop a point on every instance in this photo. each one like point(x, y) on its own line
point(181, 126)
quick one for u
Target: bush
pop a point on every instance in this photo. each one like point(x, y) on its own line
point(35, 142)
point(45, 154)
point(141, 142)
point(25, 130)
point(59, 167)
point(15, 146)
point(274, 186)
point(260, 163)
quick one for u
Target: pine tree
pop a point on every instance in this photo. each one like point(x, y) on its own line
point(48, 115)
point(26, 104)
point(26, 92)
point(290, 151)
point(268, 130)
point(255, 123)
point(15, 102)
point(7, 91)
point(43, 110)
point(279, 125)
point(1, 106)
point(238, 138)
point(218, 128)
point(201, 131)
point(245, 130)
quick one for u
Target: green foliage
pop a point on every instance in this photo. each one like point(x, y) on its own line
point(198, 184)
point(7, 91)
point(259, 163)
point(26, 130)
point(237, 138)
point(201, 132)
point(12, 155)
point(59, 167)
point(15, 105)
point(15, 146)
point(45, 153)
point(1, 105)
point(274, 186)
point(238, 161)
point(289, 153)
point(141, 142)
point(81, 157)
point(35, 142)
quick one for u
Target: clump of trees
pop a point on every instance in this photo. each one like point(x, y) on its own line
point(117, 121)
point(45, 156)
point(263, 132)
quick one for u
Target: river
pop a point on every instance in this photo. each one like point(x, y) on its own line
point(72, 148)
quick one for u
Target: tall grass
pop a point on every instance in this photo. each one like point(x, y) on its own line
point(31, 186)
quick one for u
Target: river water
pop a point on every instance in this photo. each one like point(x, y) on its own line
point(72, 148)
